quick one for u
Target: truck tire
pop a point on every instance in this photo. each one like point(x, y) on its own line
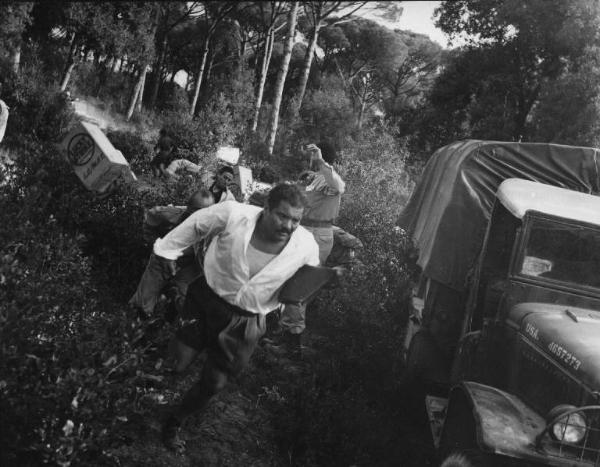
point(466, 458)
point(458, 443)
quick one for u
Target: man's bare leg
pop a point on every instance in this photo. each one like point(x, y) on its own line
point(183, 355)
point(212, 381)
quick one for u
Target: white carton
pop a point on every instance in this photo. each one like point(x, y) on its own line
point(3, 118)
point(94, 159)
point(228, 154)
point(243, 178)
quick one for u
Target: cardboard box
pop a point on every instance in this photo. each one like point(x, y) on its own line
point(94, 159)
point(228, 154)
point(243, 178)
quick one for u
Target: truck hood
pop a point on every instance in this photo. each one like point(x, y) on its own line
point(568, 335)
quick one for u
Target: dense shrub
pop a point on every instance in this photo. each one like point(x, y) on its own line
point(112, 89)
point(354, 381)
point(37, 108)
point(137, 150)
point(53, 331)
point(326, 113)
point(237, 89)
point(173, 98)
point(68, 263)
point(197, 139)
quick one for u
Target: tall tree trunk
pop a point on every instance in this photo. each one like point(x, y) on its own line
point(135, 95)
point(263, 77)
point(71, 61)
point(281, 75)
point(140, 98)
point(67, 75)
point(361, 111)
point(360, 116)
point(116, 65)
point(16, 58)
point(199, 78)
point(308, 58)
point(209, 68)
point(102, 76)
point(241, 65)
point(524, 106)
point(158, 68)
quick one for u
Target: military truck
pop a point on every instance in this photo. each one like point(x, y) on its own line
point(506, 321)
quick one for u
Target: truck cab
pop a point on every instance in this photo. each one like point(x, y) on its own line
point(522, 369)
point(530, 348)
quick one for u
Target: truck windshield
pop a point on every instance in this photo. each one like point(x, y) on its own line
point(562, 252)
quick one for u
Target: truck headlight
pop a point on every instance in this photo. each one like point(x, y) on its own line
point(568, 424)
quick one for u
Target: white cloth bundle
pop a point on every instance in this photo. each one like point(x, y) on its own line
point(3, 119)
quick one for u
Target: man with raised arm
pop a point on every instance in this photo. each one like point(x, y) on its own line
point(252, 253)
point(323, 189)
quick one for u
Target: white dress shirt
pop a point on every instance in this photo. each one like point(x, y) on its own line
point(231, 225)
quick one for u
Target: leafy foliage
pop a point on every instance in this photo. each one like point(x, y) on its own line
point(353, 382)
point(519, 55)
point(34, 104)
point(361, 52)
point(14, 18)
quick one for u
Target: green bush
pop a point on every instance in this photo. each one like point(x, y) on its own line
point(353, 384)
point(69, 261)
point(111, 89)
point(326, 113)
point(37, 109)
point(136, 150)
point(173, 98)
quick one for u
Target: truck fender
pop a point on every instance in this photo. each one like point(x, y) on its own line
point(498, 422)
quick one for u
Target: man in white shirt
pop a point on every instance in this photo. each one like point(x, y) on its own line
point(253, 252)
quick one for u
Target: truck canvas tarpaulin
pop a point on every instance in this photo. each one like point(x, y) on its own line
point(449, 210)
point(94, 159)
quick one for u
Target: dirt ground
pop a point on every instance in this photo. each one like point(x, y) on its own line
point(260, 419)
point(243, 424)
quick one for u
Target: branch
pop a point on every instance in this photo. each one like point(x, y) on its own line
point(184, 16)
point(346, 17)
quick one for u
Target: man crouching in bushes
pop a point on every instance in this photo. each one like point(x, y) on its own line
point(157, 223)
point(252, 253)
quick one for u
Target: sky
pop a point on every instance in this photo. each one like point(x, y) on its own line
point(417, 17)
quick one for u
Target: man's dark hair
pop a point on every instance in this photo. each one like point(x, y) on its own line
point(286, 192)
point(328, 151)
point(258, 198)
point(225, 168)
point(165, 143)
